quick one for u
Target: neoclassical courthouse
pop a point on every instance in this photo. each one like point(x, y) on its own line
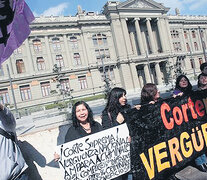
point(131, 42)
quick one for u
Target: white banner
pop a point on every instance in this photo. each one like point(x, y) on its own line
point(100, 156)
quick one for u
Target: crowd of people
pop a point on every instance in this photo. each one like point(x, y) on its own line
point(83, 123)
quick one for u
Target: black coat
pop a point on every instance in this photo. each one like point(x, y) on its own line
point(109, 121)
point(78, 132)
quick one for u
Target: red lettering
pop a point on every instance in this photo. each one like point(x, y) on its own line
point(199, 106)
point(165, 107)
point(178, 119)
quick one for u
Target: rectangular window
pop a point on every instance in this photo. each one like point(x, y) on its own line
point(74, 42)
point(4, 96)
point(109, 73)
point(37, 45)
point(102, 54)
point(40, 63)
point(25, 92)
point(59, 61)
point(45, 88)
point(20, 66)
point(83, 82)
point(64, 83)
point(77, 60)
point(56, 44)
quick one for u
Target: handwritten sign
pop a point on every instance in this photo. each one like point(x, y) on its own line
point(103, 155)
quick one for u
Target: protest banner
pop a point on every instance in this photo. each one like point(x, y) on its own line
point(15, 17)
point(167, 135)
point(100, 156)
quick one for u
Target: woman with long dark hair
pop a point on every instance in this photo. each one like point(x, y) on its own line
point(83, 122)
point(116, 105)
point(182, 86)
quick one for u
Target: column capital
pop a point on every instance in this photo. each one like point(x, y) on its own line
point(136, 19)
point(148, 19)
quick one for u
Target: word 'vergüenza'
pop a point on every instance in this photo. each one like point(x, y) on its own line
point(179, 147)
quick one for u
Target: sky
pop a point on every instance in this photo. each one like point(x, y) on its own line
point(69, 7)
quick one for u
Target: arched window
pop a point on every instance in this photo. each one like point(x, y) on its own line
point(20, 66)
point(193, 34)
point(185, 35)
point(196, 46)
point(188, 47)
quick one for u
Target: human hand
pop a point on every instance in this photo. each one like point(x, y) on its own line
point(137, 106)
point(152, 102)
point(56, 157)
point(120, 118)
point(179, 94)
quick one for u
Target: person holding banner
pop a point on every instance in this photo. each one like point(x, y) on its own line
point(112, 115)
point(149, 94)
point(202, 81)
point(203, 68)
point(201, 161)
point(183, 86)
point(116, 105)
point(83, 122)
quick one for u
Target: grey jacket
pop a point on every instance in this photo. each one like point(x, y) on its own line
point(12, 163)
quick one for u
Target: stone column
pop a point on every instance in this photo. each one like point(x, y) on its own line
point(29, 55)
point(134, 75)
point(190, 42)
point(168, 35)
point(183, 41)
point(69, 59)
point(139, 36)
point(87, 60)
point(50, 59)
point(158, 73)
point(161, 35)
point(134, 48)
point(147, 73)
point(151, 39)
point(126, 37)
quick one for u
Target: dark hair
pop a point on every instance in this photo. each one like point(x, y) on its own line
point(200, 85)
point(185, 90)
point(148, 93)
point(90, 119)
point(203, 65)
point(113, 104)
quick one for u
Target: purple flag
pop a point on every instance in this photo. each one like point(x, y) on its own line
point(15, 17)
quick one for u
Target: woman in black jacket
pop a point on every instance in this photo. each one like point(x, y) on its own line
point(83, 122)
point(116, 105)
point(112, 115)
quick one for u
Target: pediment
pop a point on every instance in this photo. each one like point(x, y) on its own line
point(141, 4)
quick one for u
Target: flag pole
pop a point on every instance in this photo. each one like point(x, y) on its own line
point(12, 90)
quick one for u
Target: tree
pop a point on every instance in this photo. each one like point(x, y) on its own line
point(64, 92)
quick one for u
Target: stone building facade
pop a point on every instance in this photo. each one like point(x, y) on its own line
point(132, 43)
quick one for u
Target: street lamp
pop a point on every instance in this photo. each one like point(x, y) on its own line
point(106, 79)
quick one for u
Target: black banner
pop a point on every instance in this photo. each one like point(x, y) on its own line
point(167, 135)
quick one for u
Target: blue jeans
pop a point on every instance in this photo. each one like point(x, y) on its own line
point(201, 160)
